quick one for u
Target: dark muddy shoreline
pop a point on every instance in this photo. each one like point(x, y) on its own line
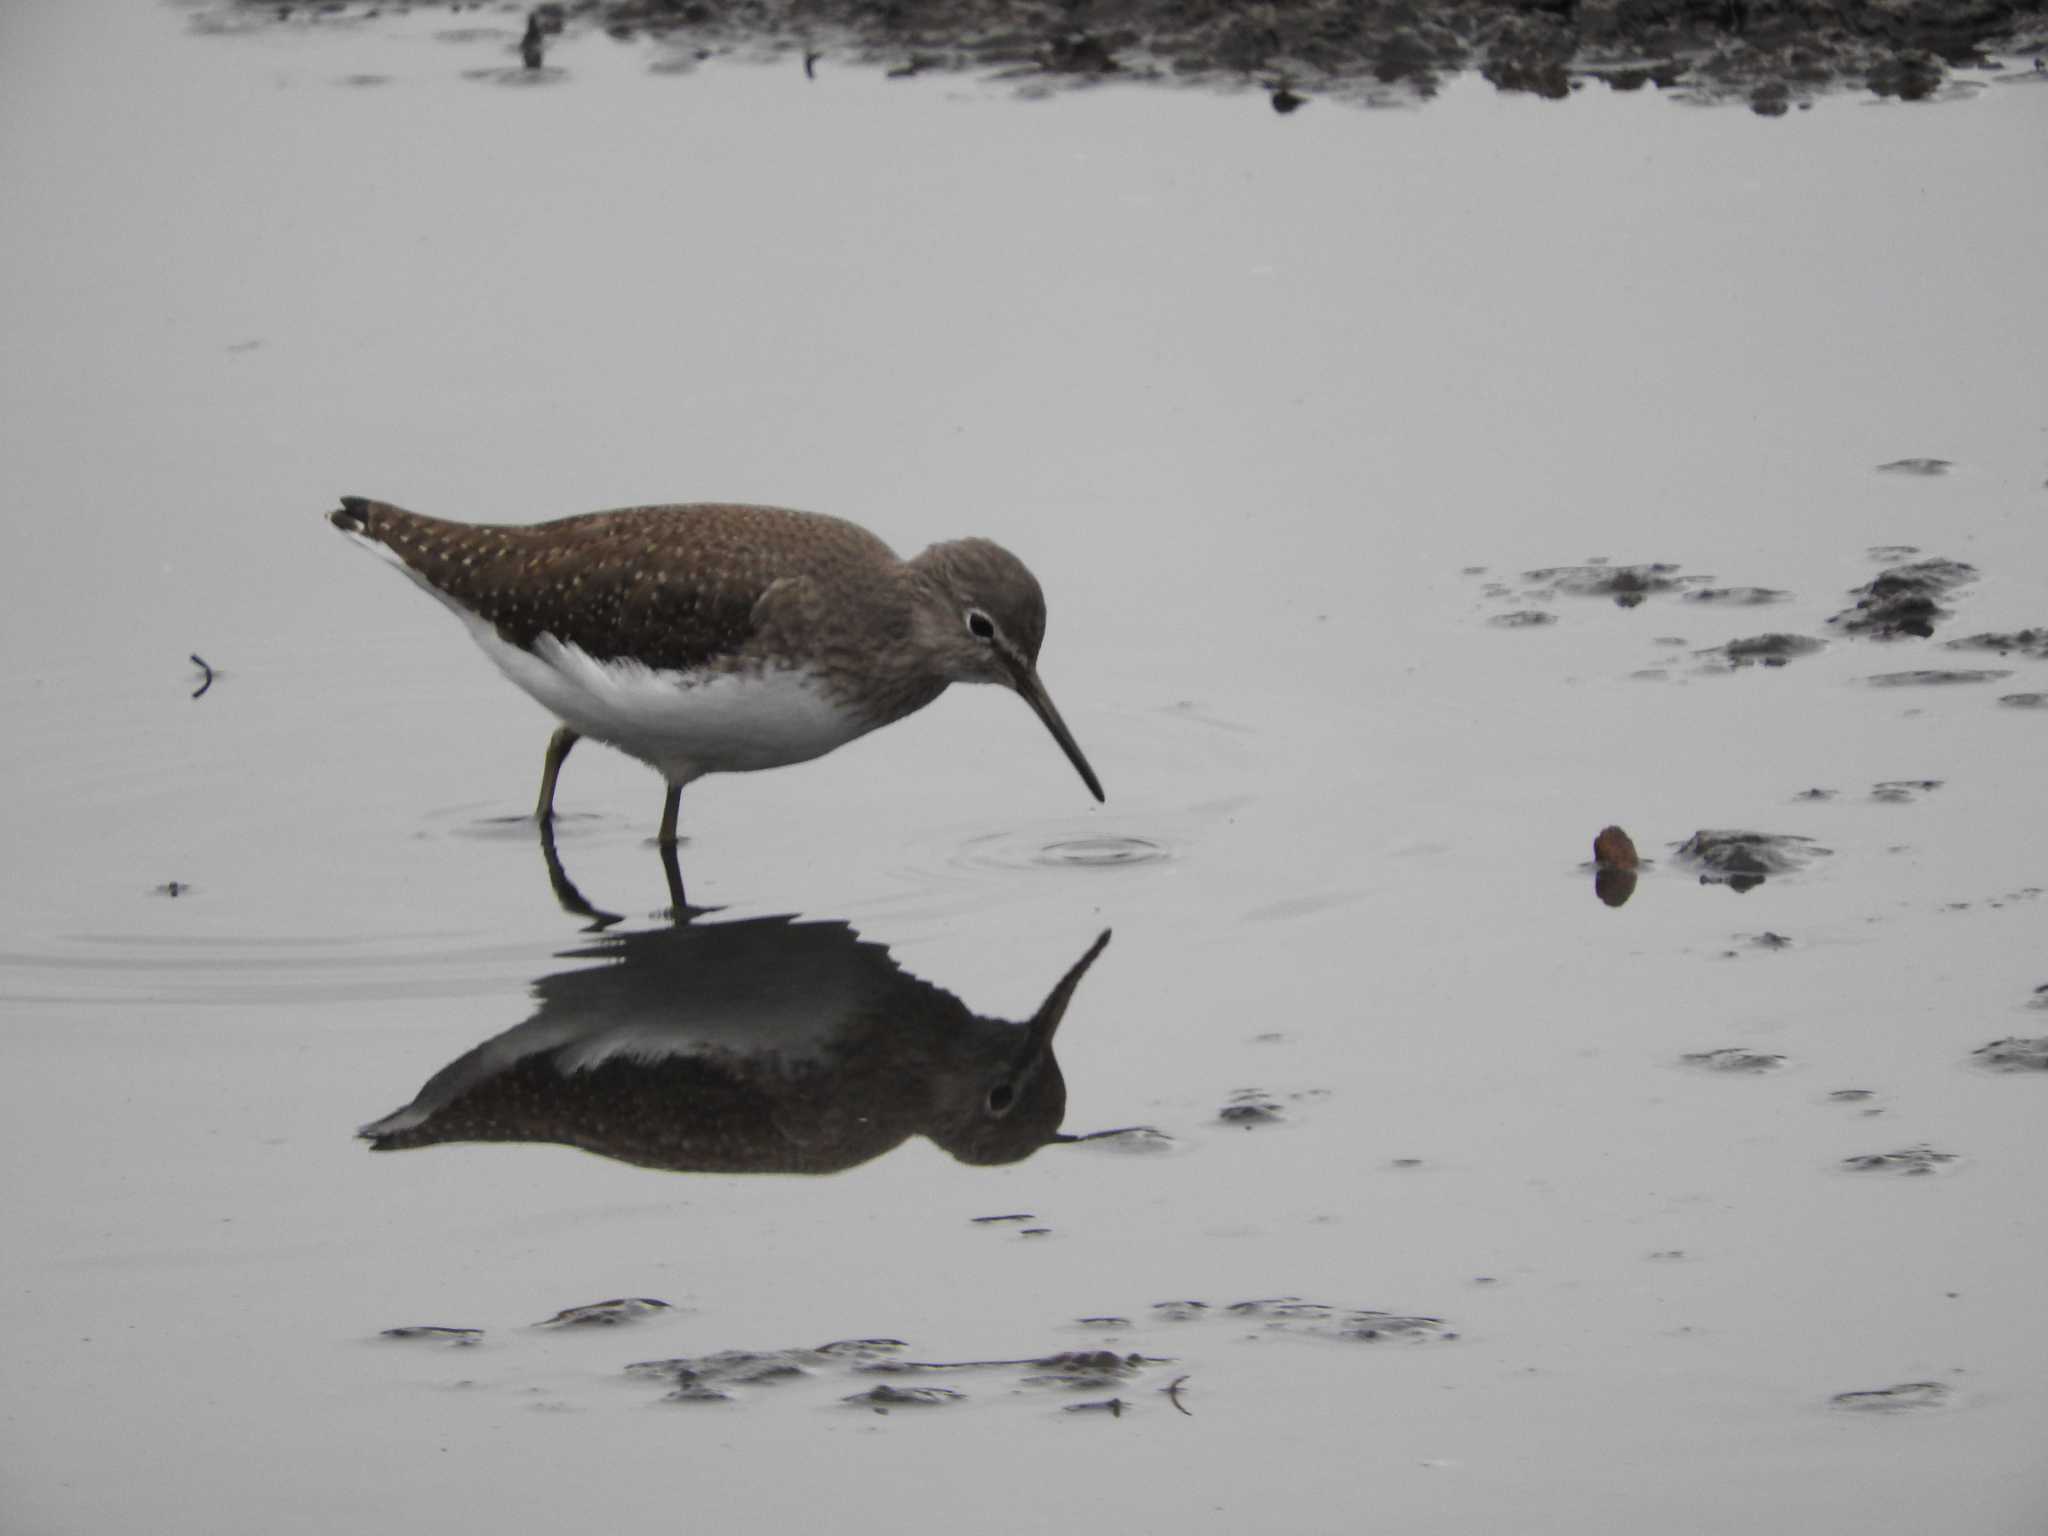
point(1771, 54)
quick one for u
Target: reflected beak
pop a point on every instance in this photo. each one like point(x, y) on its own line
point(1024, 678)
point(1054, 1008)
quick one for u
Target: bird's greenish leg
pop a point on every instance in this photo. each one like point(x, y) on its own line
point(558, 750)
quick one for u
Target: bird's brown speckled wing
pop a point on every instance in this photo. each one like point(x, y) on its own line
point(672, 587)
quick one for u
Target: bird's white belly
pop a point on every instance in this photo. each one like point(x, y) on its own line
point(683, 724)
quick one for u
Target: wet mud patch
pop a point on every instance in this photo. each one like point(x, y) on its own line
point(1936, 677)
point(1625, 585)
point(1767, 943)
point(1906, 1397)
point(1249, 1109)
point(1925, 468)
point(2031, 643)
point(734, 1375)
point(435, 1333)
point(1313, 1319)
point(1744, 860)
point(1522, 618)
point(2024, 700)
point(618, 1311)
point(1902, 791)
point(1908, 1163)
point(1733, 1061)
point(1361, 51)
point(1904, 600)
point(1772, 650)
point(2013, 1054)
point(1738, 597)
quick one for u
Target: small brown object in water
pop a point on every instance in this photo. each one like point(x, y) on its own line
point(1613, 850)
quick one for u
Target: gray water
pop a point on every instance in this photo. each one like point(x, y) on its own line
point(1281, 411)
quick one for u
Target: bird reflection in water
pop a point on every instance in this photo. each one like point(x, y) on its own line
point(768, 1045)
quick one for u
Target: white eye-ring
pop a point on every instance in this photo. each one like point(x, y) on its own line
point(980, 625)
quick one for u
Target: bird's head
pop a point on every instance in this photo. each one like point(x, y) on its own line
point(982, 617)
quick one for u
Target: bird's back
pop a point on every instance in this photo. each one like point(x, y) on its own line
point(672, 587)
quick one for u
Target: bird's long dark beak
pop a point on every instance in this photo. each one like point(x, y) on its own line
point(1024, 678)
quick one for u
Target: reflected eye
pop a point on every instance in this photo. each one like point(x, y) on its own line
point(980, 625)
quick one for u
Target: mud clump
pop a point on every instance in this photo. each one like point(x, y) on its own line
point(1902, 600)
point(1614, 849)
point(1615, 863)
point(1910, 1162)
point(1744, 860)
point(2013, 1055)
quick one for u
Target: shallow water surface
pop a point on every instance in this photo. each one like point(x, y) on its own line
point(1417, 494)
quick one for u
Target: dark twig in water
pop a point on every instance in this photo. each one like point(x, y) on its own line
point(200, 663)
point(1172, 1391)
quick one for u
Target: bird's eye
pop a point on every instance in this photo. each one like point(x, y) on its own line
point(980, 625)
point(1000, 1098)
